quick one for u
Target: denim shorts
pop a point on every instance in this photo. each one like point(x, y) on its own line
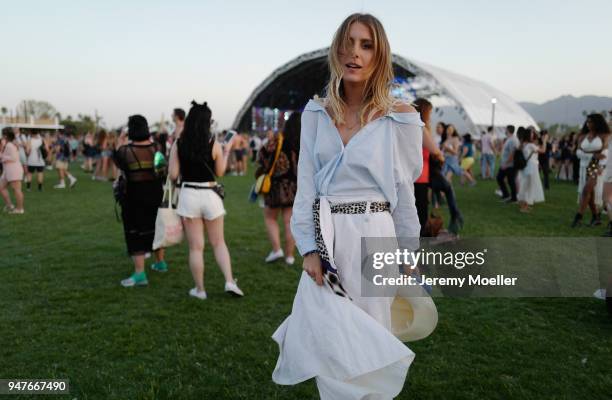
point(451, 163)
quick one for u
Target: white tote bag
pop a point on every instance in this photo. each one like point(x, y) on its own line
point(168, 225)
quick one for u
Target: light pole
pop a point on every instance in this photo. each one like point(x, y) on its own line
point(493, 102)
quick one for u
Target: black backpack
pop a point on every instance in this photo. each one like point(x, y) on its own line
point(520, 162)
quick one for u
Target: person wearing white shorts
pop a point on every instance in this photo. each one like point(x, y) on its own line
point(202, 202)
point(199, 159)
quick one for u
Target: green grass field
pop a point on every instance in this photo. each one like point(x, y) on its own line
point(64, 315)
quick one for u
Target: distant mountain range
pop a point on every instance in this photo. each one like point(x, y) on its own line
point(567, 110)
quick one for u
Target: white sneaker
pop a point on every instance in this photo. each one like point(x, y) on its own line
point(73, 181)
point(200, 295)
point(499, 193)
point(290, 260)
point(275, 255)
point(16, 211)
point(61, 185)
point(233, 289)
point(600, 294)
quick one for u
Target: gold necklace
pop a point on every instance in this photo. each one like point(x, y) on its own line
point(353, 126)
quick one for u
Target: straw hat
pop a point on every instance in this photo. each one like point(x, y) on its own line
point(413, 314)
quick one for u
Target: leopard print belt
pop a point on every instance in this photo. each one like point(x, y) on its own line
point(359, 207)
point(330, 273)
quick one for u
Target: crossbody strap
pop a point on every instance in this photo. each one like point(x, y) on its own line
point(167, 191)
point(530, 154)
point(206, 164)
point(134, 154)
point(279, 146)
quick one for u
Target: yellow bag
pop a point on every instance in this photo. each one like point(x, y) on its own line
point(264, 182)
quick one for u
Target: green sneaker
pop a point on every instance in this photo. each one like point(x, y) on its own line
point(160, 266)
point(137, 279)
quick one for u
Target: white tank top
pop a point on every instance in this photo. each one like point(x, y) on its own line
point(34, 158)
point(593, 145)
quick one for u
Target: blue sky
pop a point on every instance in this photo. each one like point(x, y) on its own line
point(126, 57)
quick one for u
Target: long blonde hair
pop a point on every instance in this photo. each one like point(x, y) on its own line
point(376, 97)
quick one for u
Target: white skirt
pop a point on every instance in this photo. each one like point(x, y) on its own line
point(530, 186)
point(598, 191)
point(347, 345)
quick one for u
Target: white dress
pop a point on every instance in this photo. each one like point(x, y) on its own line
point(530, 184)
point(347, 345)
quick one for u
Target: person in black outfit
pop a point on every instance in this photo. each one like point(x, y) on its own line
point(544, 158)
point(439, 184)
point(565, 159)
point(143, 194)
point(575, 160)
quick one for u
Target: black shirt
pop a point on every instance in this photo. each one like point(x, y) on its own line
point(136, 161)
point(200, 170)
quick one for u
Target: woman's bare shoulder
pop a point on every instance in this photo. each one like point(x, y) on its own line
point(402, 107)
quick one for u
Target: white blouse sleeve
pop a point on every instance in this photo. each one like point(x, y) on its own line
point(408, 165)
point(302, 222)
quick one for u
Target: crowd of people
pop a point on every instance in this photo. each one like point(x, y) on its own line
point(25, 154)
point(528, 159)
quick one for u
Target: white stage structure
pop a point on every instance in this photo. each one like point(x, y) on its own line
point(465, 102)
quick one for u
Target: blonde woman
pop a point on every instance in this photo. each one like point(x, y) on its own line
point(360, 152)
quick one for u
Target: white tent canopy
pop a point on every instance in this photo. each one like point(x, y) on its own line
point(460, 100)
point(476, 97)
